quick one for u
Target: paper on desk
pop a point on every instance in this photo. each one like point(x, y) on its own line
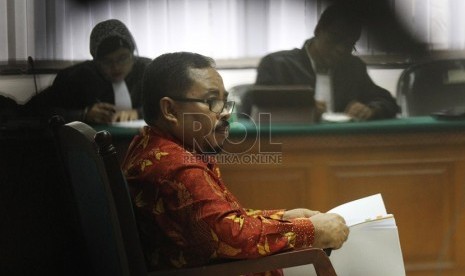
point(335, 117)
point(130, 124)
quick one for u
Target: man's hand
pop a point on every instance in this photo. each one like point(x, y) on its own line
point(100, 113)
point(359, 111)
point(126, 115)
point(299, 213)
point(331, 230)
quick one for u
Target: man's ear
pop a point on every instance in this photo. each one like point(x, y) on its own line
point(168, 110)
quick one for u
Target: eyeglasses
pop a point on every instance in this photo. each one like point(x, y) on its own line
point(215, 106)
point(121, 60)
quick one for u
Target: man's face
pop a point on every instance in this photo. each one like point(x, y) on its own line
point(198, 127)
point(333, 45)
point(116, 65)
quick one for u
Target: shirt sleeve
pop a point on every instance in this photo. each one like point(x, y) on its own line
point(196, 196)
point(274, 214)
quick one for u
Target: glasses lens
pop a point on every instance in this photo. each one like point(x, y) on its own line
point(216, 105)
point(229, 106)
point(219, 106)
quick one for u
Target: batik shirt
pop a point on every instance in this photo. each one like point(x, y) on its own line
point(187, 216)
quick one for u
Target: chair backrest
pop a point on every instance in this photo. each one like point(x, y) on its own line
point(275, 103)
point(103, 202)
point(428, 87)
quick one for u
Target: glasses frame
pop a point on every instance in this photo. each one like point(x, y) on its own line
point(209, 102)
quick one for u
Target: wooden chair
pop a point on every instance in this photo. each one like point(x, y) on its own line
point(432, 86)
point(108, 221)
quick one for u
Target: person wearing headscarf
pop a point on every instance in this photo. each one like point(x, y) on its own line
point(102, 90)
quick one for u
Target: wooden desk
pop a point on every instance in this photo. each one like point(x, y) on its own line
point(417, 164)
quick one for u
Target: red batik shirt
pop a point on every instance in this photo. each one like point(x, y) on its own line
point(187, 216)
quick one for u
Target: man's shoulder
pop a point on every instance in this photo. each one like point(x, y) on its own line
point(168, 153)
point(284, 55)
point(142, 60)
point(356, 60)
point(153, 156)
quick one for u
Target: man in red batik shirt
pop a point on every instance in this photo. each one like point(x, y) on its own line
point(186, 214)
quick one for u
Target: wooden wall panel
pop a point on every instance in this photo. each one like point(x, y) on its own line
point(417, 194)
point(269, 188)
point(420, 175)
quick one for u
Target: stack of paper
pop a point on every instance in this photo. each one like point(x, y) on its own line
point(373, 246)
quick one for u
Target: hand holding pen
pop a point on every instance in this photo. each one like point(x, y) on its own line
point(125, 115)
point(100, 113)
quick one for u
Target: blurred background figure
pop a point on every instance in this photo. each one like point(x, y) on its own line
point(326, 62)
point(103, 90)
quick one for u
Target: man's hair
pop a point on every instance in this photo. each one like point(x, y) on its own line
point(168, 76)
point(342, 20)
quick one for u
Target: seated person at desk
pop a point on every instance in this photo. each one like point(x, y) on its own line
point(102, 90)
point(186, 214)
point(326, 63)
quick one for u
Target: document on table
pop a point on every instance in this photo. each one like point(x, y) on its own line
point(130, 124)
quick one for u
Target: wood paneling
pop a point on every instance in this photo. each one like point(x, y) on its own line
point(420, 175)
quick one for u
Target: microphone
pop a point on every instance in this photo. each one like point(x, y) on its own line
point(30, 62)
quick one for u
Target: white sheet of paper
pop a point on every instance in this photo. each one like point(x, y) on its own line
point(130, 124)
point(336, 117)
point(360, 210)
point(373, 246)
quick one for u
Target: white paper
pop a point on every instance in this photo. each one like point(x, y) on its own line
point(335, 117)
point(373, 246)
point(122, 97)
point(360, 210)
point(130, 124)
point(324, 90)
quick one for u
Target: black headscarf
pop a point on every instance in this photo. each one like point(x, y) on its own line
point(105, 30)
